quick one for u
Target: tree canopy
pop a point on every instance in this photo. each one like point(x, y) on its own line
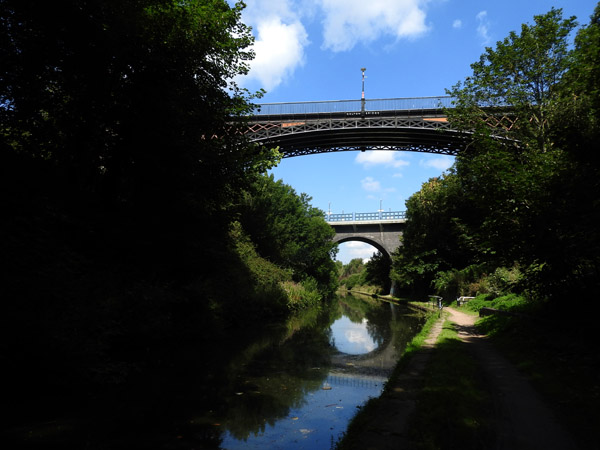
point(524, 193)
point(133, 99)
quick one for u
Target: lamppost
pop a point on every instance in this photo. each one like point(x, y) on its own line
point(380, 208)
point(362, 98)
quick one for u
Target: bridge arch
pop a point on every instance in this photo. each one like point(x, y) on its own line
point(381, 230)
point(377, 245)
point(409, 124)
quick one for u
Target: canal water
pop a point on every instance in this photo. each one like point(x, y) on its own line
point(298, 387)
point(286, 386)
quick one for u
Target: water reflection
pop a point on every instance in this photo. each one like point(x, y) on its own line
point(352, 338)
point(299, 387)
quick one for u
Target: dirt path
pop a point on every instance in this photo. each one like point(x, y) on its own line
point(523, 421)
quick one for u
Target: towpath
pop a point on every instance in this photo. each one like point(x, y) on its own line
point(523, 421)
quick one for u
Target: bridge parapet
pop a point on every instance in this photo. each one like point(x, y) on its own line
point(350, 106)
point(367, 217)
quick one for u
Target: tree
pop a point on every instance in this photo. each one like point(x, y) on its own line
point(288, 231)
point(437, 235)
point(378, 271)
point(131, 99)
point(506, 176)
point(533, 185)
point(520, 77)
point(121, 154)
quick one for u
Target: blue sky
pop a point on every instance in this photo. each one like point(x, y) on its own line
point(312, 50)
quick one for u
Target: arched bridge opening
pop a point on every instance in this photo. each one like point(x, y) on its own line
point(382, 230)
point(376, 245)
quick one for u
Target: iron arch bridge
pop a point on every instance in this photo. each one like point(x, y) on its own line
point(410, 124)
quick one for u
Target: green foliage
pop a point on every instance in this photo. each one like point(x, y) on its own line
point(356, 265)
point(509, 302)
point(265, 292)
point(378, 271)
point(354, 280)
point(524, 193)
point(475, 279)
point(130, 99)
point(435, 238)
point(370, 277)
point(522, 73)
point(302, 295)
point(454, 409)
point(290, 232)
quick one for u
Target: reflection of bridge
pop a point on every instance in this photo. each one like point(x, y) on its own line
point(355, 380)
point(302, 128)
point(381, 229)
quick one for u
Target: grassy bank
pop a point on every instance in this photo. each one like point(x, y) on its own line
point(557, 351)
point(453, 409)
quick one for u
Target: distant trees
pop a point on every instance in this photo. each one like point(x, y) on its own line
point(523, 199)
point(373, 274)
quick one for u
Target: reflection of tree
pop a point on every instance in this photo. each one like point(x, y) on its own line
point(376, 313)
point(276, 375)
point(407, 323)
point(396, 325)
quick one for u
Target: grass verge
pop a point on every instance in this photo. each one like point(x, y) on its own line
point(454, 409)
point(557, 352)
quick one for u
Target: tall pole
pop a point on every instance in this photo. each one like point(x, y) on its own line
point(362, 98)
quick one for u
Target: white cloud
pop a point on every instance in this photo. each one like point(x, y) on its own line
point(483, 27)
point(348, 22)
point(439, 162)
point(388, 158)
point(370, 185)
point(280, 41)
point(457, 23)
point(362, 250)
point(358, 334)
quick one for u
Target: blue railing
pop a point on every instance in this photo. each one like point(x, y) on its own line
point(340, 106)
point(365, 217)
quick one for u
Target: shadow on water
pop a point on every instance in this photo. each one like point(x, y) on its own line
point(275, 386)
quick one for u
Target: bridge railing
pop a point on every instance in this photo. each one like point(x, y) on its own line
point(365, 217)
point(340, 106)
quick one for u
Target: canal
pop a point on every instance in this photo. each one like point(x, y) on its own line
point(292, 385)
point(299, 386)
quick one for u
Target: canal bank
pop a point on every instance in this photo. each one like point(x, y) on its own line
point(456, 390)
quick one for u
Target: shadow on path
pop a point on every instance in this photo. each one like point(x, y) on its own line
point(523, 420)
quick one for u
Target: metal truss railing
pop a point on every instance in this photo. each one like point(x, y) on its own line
point(366, 217)
point(342, 106)
point(263, 130)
